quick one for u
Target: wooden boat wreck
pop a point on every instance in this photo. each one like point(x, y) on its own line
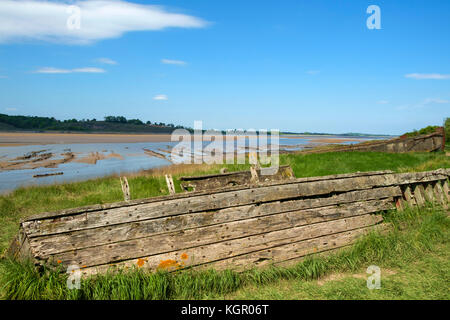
point(237, 227)
point(434, 141)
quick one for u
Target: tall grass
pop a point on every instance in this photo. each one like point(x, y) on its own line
point(414, 232)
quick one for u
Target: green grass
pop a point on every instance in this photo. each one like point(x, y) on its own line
point(416, 245)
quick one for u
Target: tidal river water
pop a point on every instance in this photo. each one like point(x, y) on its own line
point(57, 163)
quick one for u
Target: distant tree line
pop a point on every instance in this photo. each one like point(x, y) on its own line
point(110, 123)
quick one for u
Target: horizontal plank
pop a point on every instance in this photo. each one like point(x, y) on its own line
point(85, 238)
point(224, 254)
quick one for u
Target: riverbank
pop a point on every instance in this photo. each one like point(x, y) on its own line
point(28, 138)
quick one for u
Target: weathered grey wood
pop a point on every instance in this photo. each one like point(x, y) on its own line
point(170, 185)
point(202, 203)
point(120, 232)
point(429, 193)
point(208, 202)
point(439, 194)
point(409, 197)
point(419, 194)
point(205, 235)
point(446, 190)
point(116, 233)
point(379, 228)
point(125, 188)
point(404, 178)
point(400, 203)
point(289, 251)
point(235, 248)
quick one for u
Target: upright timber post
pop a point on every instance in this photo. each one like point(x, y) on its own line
point(125, 188)
point(170, 184)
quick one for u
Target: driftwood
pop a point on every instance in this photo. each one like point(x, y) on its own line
point(48, 174)
point(238, 227)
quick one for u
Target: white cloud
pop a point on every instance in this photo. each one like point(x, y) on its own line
point(99, 19)
point(160, 97)
point(423, 103)
point(52, 70)
point(88, 70)
point(11, 109)
point(383, 102)
point(106, 61)
point(434, 101)
point(427, 76)
point(313, 72)
point(176, 62)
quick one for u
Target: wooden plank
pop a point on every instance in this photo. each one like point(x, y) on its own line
point(185, 239)
point(429, 193)
point(419, 194)
point(439, 194)
point(400, 203)
point(409, 197)
point(446, 189)
point(216, 201)
point(382, 228)
point(116, 233)
point(226, 252)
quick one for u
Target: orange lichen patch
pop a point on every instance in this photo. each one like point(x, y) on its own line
point(84, 266)
point(184, 256)
point(140, 262)
point(169, 263)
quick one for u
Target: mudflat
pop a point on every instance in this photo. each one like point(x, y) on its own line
point(31, 138)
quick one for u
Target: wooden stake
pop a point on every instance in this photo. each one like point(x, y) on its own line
point(170, 184)
point(125, 188)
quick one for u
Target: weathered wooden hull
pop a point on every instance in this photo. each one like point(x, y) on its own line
point(423, 143)
point(235, 228)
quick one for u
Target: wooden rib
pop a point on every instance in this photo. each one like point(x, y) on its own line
point(446, 190)
point(419, 195)
point(409, 197)
point(439, 194)
point(429, 193)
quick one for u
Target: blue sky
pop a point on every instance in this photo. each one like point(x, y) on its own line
point(288, 65)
